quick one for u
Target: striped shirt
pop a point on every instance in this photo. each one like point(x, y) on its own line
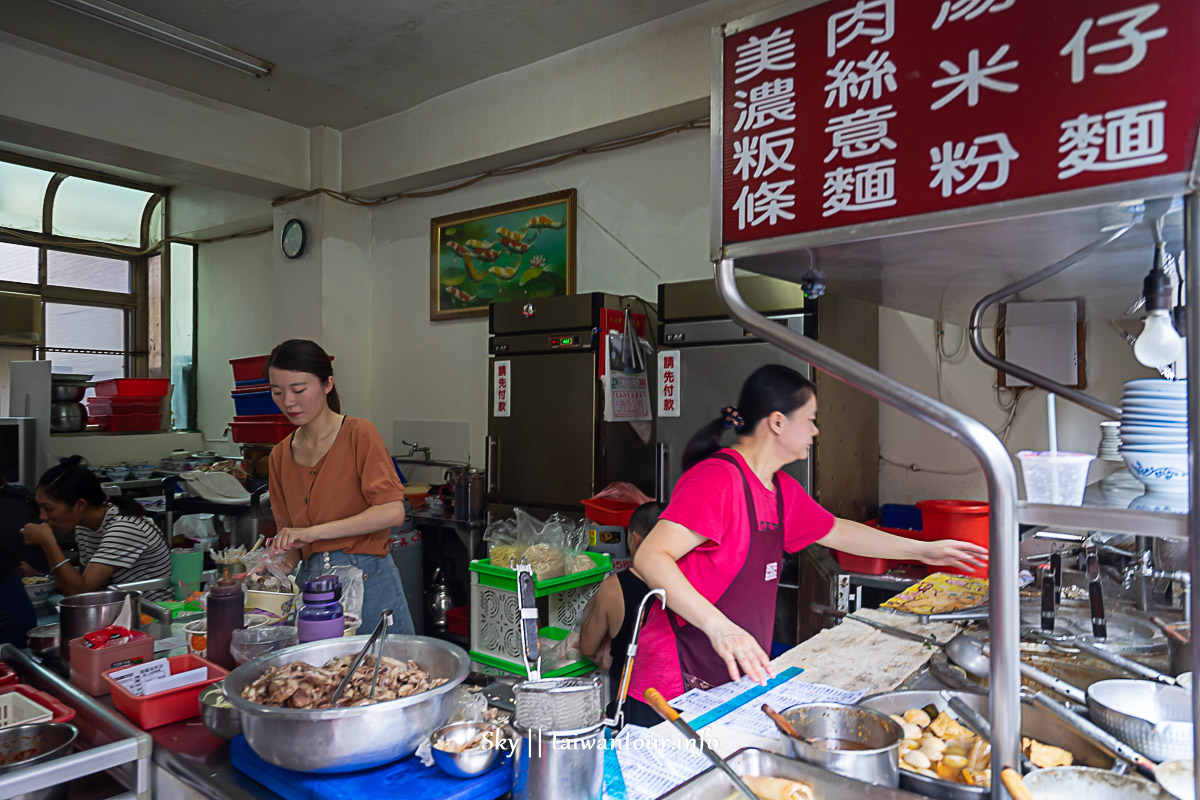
point(133, 546)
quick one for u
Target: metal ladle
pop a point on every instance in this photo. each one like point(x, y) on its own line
point(972, 655)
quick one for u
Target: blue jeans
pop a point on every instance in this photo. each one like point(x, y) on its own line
point(381, 587)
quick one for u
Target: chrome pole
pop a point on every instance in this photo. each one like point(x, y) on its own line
point(1004, 617)
point(1191, 246)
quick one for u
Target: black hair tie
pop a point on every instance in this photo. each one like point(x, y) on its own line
point(733, 418)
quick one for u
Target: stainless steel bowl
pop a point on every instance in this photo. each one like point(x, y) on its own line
point(1152, 718)
point(67, 392)
point(346, 739)
point(1035, 723)
point(878, 760)
point(1072, 783)
point(468, 763)
point(68, 417)
point(222, 721)
point(47, 740)
point(43, 640)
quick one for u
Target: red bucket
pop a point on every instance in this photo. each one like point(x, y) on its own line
point(965, 520)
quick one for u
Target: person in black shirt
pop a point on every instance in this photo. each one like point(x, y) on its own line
point(17, 615)
point(610, 620)
point(18, 508)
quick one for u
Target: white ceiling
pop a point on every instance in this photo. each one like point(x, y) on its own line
point(339, 63)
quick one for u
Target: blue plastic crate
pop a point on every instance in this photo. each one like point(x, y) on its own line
point(250, 404)
point(256, 382)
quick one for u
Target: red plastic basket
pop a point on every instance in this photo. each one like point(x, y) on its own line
point(7, 676)
point(127, 422)
point(265, 429)
point(103, 406)
point(61, 711)
point(133, 387)
point(250, 368)
point(867, 565)
point(609, 512)
point(458, 620)
point(163, 708)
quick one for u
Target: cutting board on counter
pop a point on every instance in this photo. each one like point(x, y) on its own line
point(407, 778)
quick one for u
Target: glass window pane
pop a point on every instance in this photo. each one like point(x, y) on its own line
point(156, 221)
point(22, 195)
point(90, 327)
point(183, 327)
point(84, 271)
point(18, 262)
point(99, 212)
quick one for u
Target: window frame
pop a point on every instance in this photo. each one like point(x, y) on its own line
point(136, 304)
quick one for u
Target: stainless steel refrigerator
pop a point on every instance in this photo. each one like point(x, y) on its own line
point(549, 447)
point(715, 358)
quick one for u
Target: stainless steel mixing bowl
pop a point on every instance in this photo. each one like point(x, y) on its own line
point(346, 739)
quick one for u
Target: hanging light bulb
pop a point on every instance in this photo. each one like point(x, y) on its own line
point(1159, 343)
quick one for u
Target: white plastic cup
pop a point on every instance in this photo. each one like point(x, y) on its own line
point(1057, 478)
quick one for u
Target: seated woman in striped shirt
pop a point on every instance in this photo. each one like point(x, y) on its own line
point(117, 542)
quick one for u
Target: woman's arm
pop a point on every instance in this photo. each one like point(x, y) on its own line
point(656, 562)
point(854, 537)
point(66, 577)
point(607, 606)
point(374, 518)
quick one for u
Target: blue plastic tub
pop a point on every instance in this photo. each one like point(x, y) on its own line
point(254, 403)
point(256, 382)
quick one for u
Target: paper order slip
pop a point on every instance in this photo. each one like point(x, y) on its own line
point(750, 717)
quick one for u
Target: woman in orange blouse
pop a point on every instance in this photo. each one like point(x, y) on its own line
point(334, 489)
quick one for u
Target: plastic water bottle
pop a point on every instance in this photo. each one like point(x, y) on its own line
point(321, 616)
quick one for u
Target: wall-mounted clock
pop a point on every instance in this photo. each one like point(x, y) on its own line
point(292, 240)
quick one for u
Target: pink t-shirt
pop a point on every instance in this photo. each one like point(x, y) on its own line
point(710, 500)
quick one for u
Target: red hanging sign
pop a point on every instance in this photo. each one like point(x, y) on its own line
point(855, 111)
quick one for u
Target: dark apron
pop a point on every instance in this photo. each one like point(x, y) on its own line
point(749, 602)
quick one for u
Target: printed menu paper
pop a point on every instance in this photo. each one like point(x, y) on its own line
point(749, 717)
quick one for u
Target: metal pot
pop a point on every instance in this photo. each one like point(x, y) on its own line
point(1036, 723)
point(1179, 653)
point(358, 737)
point(83, 613)
point(1072, 783)
point(48, 740)
point(68, 417)
point(1152, 718)
point(878, 764)
point(552, 765)
point(43, 640)
point(67, 392)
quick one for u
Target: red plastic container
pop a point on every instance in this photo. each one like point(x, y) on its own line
point(88, 665)
point(965, 520)
point(867, 565)
point(61, 711)
point(609, 512)
point(250, 368)
point(7, 676)
point(103, 406)
point(163, 708)
point(133, 387)
point(458, 621)
point(127, 422)
point(265, 429)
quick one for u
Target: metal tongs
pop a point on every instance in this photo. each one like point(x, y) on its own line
point(386, 618)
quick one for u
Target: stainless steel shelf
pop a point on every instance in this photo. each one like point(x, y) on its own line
point(1159, 524)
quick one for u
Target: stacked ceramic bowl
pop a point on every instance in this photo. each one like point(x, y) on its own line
point(1154, 434)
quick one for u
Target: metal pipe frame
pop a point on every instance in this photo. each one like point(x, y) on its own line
point(1191, 244)
point(1004, 617)
point(975, 329)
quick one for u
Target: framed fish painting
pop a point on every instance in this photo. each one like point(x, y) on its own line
point(503, 253)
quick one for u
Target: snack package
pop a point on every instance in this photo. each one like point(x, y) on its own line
point(112, 635)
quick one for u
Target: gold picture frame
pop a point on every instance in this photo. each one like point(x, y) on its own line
point(513, 251)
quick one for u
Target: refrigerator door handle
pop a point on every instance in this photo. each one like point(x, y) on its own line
point(663, 469)
point(490, 451)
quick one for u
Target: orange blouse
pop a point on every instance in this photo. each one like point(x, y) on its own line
point(354, 475)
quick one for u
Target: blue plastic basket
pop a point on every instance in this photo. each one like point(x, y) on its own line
point(255, 382)
point(254, 403)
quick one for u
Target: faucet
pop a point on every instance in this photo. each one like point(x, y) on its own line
point(415, 447)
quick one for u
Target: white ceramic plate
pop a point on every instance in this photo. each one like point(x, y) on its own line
point(1176, 778)
point(1157, 384)
point(1135, 438)
point(1166, 449)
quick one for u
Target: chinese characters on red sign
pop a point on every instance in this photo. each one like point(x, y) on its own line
point(668, 383)
point(860, 110)
point(502, 389)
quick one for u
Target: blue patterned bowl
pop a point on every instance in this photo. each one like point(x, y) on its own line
point(1160, 472)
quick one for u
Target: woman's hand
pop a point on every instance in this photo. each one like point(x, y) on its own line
point(38, 534)
point(740, 650)
point(289, 538)
point(953, 553)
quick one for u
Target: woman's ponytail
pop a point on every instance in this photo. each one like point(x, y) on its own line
point(703, 443)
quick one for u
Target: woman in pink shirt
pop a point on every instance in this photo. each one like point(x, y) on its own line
point(718, 547)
